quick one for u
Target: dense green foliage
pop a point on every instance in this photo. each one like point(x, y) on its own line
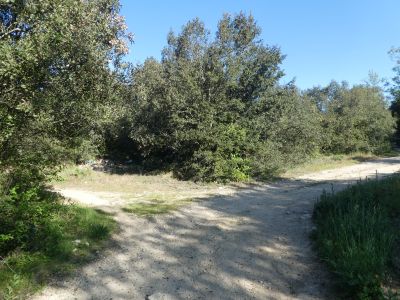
point(214, 110)
point(59, 77)
point(353, 118)
point(55, 80)
point(356, 233)
point(52, 241)
point(24, 215)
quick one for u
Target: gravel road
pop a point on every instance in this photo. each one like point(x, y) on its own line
point(249, 242)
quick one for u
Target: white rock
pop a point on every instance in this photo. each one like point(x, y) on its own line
point(161, 296)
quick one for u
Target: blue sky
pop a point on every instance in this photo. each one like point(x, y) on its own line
point(323, 39)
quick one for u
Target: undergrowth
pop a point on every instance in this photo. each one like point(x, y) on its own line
point(45, 239)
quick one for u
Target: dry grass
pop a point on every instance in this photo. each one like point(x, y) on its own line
point(83, 177)
point(135, 188)
point(140, 194)
point(322, 163)
point(155, 194)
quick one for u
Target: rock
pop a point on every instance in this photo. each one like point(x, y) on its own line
point(160, 296)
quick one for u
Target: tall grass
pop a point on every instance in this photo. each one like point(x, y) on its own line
point(356, 232)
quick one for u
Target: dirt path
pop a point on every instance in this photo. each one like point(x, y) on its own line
point(241, 243)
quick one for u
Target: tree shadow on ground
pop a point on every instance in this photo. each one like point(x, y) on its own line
point(252, 244)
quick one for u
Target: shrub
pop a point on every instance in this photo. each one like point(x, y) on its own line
point(40, 237)
point(35, 220)
point(23, 215)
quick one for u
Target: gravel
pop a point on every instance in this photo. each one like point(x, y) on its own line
point(247, 242)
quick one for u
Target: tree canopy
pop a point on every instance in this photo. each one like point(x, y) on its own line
point(213, 108)
point(56, 77)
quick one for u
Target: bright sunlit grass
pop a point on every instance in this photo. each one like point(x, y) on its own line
point(326, 162)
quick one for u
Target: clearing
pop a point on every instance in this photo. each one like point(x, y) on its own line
point(216, 242)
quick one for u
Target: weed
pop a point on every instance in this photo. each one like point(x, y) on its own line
point(356, 233)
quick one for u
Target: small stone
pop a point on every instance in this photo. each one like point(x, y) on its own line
point(160, 296)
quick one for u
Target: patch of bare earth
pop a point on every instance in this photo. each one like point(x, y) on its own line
point(248, 242)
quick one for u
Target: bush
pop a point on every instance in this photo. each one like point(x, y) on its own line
point(224, 156)
point(40, 237)
point(35, 220)
point(355, 234)
point(23, 215)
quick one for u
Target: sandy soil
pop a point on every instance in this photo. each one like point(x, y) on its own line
point(249, 242)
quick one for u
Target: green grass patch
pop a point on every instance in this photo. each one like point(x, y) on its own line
point(72, 235)
point(356, 231)
point(155, 207)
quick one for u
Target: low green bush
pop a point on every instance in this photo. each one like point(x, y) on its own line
point(40, 237)
point(23, 216)
point(355, 234)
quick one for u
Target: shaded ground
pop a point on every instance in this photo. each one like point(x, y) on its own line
point(249, 242)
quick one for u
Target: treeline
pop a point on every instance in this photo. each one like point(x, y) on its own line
point(214, 109)
point(395, 90)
